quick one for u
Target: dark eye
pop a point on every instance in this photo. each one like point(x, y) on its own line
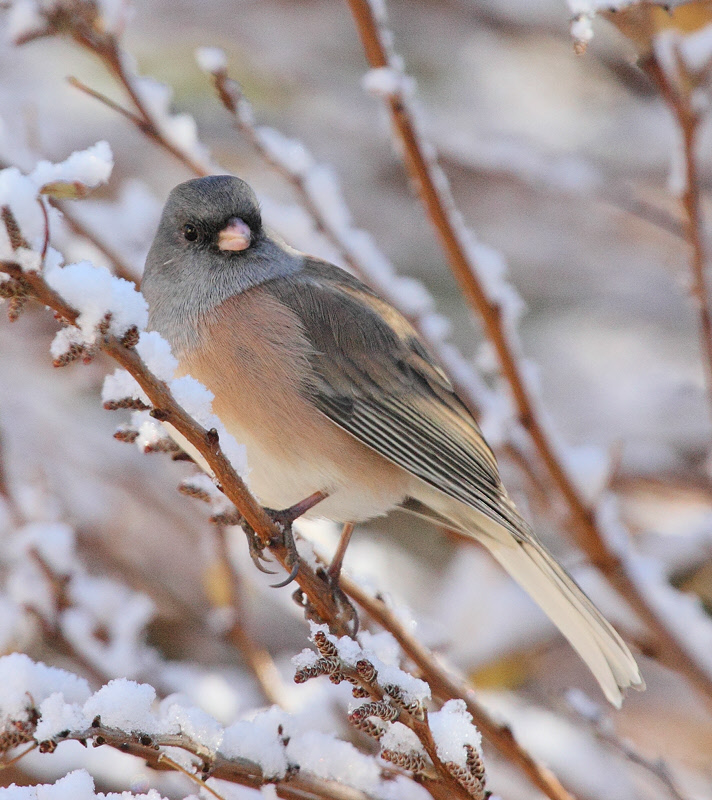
point(190, 232)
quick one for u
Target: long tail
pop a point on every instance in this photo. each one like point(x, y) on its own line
point(556, 592)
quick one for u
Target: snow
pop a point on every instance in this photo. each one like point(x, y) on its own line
point(90, 167)
point(327, 757)
point(307, 658)
point(452, 729)
point(19, 193)
point(389, 673)
point(156, 354)
point(582, 30)
point(124, 704)
point(590, 467)
point(95, 293)
point(583, 705)
point(114, 14)
point(696, 49)
point(289, 154)
point(179, 129)
point(119, 385)
point(24, 682)
point(400, 739)
point(56, 715)
point(383, 82)
point(197, 401)
point(194, 723)
point(682, 612)
point(118, 610)
point(77, 785)
point(259, 740)
point(24, 18)
point(211, 59)
point(53, 541)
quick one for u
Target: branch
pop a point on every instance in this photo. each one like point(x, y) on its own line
point(446, 686)
point(205, 442)
point(437, 200)
point(257, 658)
point(119, 267)
point(679, 100)
point(209, 765)
point(316, 594)
point(602, 728)
point(81, 21)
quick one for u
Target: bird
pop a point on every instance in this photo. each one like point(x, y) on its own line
point(335, 396)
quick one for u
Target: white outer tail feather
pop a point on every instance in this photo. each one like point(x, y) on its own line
point(593, 638)
point(556, 592)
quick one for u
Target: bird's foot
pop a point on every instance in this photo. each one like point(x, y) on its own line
point(283, 521)
point(257, 548)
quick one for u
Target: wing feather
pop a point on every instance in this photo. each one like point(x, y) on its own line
point(373, 377)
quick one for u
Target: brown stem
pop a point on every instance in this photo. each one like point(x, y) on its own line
point(234, 770)
point(204, 441)
point(439, 206)
point(680, 103)
point(255, 656)
point(446, 686)
point(119, 267)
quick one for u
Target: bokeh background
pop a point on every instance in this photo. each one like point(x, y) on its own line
point(561, 162)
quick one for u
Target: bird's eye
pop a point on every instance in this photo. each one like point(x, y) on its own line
point(190, 232)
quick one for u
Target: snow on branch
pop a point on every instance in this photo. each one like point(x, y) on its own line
point(43, 707)
point(94, 26)
point(480, 273)
point(108, 313)
point(77, 785)
point(320, 194)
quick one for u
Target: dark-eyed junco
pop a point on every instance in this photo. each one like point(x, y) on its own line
point(331, 389)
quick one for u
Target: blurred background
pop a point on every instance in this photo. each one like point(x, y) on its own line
point(560, 162)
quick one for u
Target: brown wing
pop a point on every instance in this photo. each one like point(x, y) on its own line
point(373, 377)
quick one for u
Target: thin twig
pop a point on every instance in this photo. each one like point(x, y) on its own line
point(5, 764)
point(119, 267)
point(446, 686)
point(680, 103)
point(165, 759)
point(51, 629)
point(138, 121)
point(254, 655)
point(323, 602)
point(436, 198)
point(81, 22)
point(299, 786)
point(602, 728)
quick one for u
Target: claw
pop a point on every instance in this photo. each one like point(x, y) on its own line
point(256, 549)
point(292, 575)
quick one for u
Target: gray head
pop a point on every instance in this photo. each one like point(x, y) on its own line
point(210, 245)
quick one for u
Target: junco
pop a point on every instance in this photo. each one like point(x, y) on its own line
point(331, 390)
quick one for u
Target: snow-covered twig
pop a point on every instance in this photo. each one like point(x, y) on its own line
point(81, 20)
point(109, 320)
point(444, 743)
point(119, 267)
point(479, 275)
point(604, 731)
point(47, 706)
point(678, 91)
point(445, 686)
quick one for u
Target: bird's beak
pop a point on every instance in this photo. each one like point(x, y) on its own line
point(235, 235)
